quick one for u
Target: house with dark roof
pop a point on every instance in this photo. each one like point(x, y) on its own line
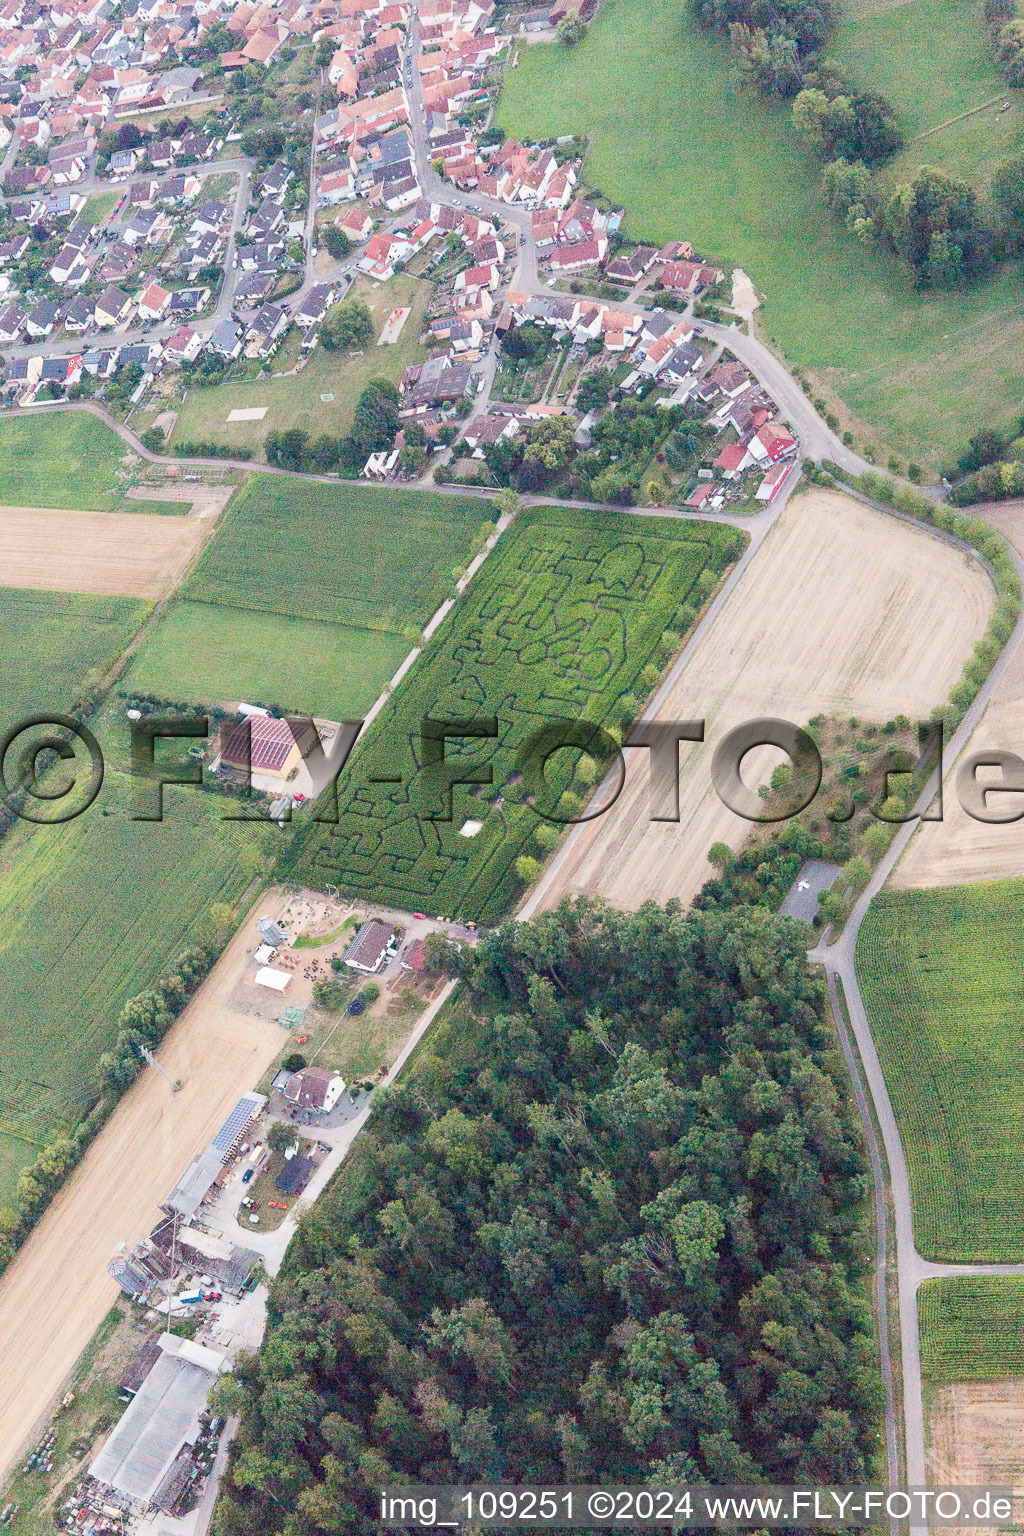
point(316, 1088)
point(372, 947)
point(295, 1174)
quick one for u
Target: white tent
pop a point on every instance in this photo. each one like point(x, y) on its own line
point(276, 980)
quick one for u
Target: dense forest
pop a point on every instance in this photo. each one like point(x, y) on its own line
point(608, 1225)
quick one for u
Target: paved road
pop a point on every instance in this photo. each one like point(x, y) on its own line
point(839, 960)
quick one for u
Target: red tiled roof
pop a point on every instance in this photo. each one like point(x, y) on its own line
point(270, 745)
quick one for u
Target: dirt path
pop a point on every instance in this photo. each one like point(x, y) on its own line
point(126, 554)
point(57, 1291)
point(976, 1439)
point(837, 612)
point(959, 849)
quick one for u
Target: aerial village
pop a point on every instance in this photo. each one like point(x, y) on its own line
point(191, 189)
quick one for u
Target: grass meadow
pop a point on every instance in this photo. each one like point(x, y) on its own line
point(90, 912)
point(690, 155)
point(561, 622)
point(55, 645)
point(294, 401)
point(972, 1328)
point(932, 60)
point(302, 595)
point(940, 971)
point(202, 653)
point(66, 459)
point(347, 554)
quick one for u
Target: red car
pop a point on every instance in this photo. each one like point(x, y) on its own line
point(213, 1296)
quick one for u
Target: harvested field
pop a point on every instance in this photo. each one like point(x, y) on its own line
point(836, 613)
point(976, 1437)
point(959, 849)
point(111, 554)
point(113, 1196)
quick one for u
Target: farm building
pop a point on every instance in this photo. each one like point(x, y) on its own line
point(294, 1174)
point(414, 956)
point(265, 745)
point(373, 945)
point(315, 1088)
point(139, 1458)
point(205, 1169)
point(248, 1109)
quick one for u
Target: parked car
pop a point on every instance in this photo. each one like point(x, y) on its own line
point(247, 1175)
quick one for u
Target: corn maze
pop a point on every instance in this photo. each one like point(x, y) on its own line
point(564, 620)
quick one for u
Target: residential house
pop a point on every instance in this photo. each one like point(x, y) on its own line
point(154, 302)
point(315, 305)
point(42, 319)
point(226, 340)
point(184, 346)
point(266, 328)
point(112, 308)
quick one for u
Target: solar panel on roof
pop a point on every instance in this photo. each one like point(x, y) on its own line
point(247, 1107)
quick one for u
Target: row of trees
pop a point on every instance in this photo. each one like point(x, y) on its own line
point(609, 1226)
point(622, 443)
point(994, 462)
point(772, 39)
point(1005, 22)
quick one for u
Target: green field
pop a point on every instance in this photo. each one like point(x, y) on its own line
point(559, 623)
point(345, 554)
point(54, 645)
point(972, 1329)
point(89, 913)
point(940, 971)
point(295, 401)
point(692, 156)
point(933, 61)
point(66, 459)
point(202, 653)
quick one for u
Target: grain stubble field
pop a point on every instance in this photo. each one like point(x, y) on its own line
point(976, 1439)
point(122, 554)
point(837, 613)
point(958, 849)
point(113, 1196)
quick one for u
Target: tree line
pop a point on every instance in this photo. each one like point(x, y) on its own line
point(609, 1226)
